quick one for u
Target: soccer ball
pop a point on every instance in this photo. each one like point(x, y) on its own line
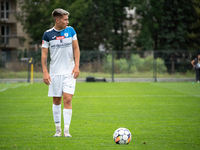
point(122, 136)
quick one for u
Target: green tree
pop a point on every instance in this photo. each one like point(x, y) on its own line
point(120, 33)
point(93, 20)
point(101, 22)
point(35, 17)
point(95, 25)
point(164, 25)
point(193, 36)
point(176, 18)
point(149, 22)
point(175, 24)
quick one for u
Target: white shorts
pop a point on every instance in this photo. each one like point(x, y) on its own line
point(60, 84)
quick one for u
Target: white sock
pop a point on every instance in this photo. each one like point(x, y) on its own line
point(67, 115)
point(57, 115)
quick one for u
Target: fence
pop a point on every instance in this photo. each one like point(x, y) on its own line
point(113, 65)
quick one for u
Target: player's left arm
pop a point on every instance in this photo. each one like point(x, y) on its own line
point(76, 50)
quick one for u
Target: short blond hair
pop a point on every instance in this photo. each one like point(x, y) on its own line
point(59, 13)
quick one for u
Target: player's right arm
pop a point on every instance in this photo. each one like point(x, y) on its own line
point(46, 77)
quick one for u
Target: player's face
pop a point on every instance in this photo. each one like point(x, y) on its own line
point(198, 57)
point(63, 22)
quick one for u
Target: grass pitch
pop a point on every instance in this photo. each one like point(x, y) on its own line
point(159, 116)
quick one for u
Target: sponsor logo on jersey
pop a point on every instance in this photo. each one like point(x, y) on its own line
point(60, 37)
point(53, 37)
point(66, 34)
point(63, 45)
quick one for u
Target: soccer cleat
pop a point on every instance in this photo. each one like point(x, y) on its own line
point(58, 133)
point(67, 135)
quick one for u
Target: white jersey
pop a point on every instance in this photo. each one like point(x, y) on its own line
point(198, 65)
point(61, 50)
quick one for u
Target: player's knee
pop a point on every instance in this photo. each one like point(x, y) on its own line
point(57, 101)
point(67, 101)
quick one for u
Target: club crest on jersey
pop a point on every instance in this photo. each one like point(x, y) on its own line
point(60, 37)
point(66, 34)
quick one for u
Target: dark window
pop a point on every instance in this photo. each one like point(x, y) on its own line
point(7, 5)
point(5, 10)
point(5, 33)
point(2, 5)
point(5, 55)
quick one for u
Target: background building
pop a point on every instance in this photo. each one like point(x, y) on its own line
point(12, 36)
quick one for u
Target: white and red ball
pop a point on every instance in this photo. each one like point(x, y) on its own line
point(122, 136)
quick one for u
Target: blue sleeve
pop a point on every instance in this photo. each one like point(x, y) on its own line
point(73, 31)
point(45, 37)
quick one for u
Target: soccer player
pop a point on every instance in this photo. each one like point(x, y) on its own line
point(62, 42)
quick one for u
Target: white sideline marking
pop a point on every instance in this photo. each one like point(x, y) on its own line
point(16, 86)
point(141, 96)
point(3, 89)
point(26, 84)
point(117, 96)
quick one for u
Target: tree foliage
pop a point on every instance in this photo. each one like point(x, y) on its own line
point(193, 36)
point(175, 24)
point(96, 22)
point(149, 23)
point(163, 24)
point(120, 34)
point(95, 25)
point(35, 17)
